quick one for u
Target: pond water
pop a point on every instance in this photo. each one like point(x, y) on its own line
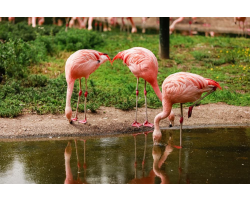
point(208, 156)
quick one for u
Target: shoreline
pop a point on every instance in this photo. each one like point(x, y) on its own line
point(109, 122)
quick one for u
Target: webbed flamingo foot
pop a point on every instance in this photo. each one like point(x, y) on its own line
point(146, 123)
point(136, 124)
point(74, 119)
point(83, 121)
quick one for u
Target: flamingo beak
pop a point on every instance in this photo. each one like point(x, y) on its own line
point(108, 58)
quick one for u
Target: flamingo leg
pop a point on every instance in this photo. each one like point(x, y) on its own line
point(135, 154)
point(135, 123)
point(85, 102)
point(181, 122)
point(77, 157)
point(144, 155)
point(179, 168)
point(146, 123)
point(79, 95)
point(196, 102)
point(67, 23)
point(84, 158)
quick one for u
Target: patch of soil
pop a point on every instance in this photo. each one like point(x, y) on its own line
point(111, 121)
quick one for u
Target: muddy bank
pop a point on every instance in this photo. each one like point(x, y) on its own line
point(111, 121)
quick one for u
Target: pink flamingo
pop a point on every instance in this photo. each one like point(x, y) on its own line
point(40, 21)
point(143, 64)
point(180, 19)
point(11, 19)
point(80, 64)
point(80, 22)
point(182, 87)
point(240, 20)
point(113, 21)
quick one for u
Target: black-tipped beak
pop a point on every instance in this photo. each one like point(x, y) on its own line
point(170, 125)
point(71, 122)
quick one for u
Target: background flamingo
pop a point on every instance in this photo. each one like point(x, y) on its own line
point(143, 64)
point(180, 19)
point(40, 21)
point(240, 20)
point(80, 64)
point(182, 87)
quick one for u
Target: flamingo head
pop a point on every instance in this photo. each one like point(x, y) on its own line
point(68, 114)
point(105, 54)
point(157, 136)
point(68, 151)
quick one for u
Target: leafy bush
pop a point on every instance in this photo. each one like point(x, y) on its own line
point(16, 31)
point(198, 55)
point(46, 42)
point(93, 106)
point(25, 32)
point(128, 104)
point(75, 39)
point(35, 80)
point(17, 55)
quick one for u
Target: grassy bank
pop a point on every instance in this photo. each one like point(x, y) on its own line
point(40, 86)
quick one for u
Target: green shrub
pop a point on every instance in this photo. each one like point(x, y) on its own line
point(93, 106)
point(17, 55)
point(35, 80)
point(198, 55)
point(128, 104)
point(25, 32)
point(47, 43)
point(75, 39)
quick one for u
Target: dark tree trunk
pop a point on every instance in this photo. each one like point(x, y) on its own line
point(164, 37)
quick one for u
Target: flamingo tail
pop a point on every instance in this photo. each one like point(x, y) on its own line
point(214, 83)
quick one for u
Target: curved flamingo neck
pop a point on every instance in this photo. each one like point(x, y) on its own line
point(157, 122)
point(157, 90)
point(162, 115)
point(69, 93)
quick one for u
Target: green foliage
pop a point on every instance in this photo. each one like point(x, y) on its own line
point(25, 32)
point(93, 106)
point(127, 104)
point(198, 55)
point(17, 55)
point(35, 80)
point(75, 39)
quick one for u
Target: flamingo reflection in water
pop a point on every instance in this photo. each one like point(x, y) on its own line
point(157, 163)
point(69, 176)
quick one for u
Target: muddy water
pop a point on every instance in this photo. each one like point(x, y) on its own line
point(208, 156)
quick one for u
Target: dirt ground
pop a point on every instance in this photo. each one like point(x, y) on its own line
point(111, 121)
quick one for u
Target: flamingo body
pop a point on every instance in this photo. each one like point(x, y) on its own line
point(80, 64)
point(181, 87)
point(185, 87)
point(143, 64)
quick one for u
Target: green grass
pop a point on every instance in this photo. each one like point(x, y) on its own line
point(224, 59)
